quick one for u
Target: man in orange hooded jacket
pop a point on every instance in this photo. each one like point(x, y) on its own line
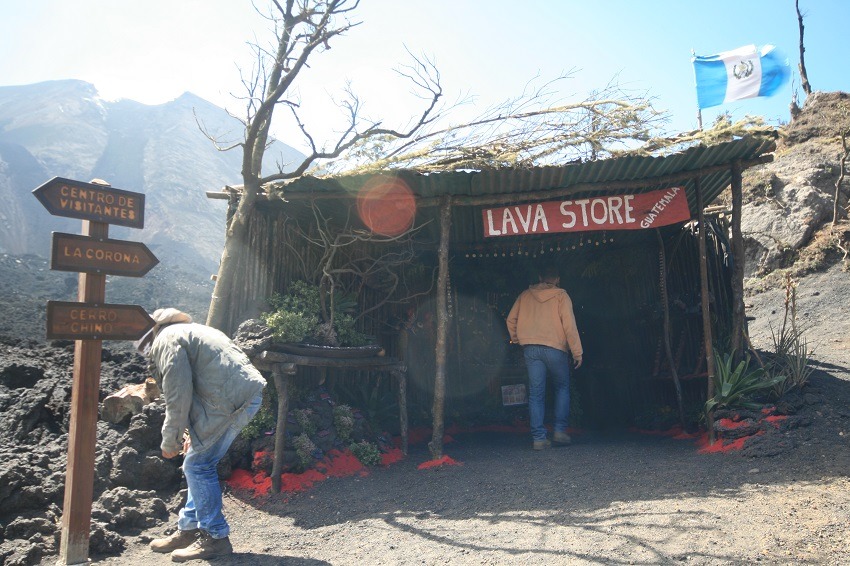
point(543, 323)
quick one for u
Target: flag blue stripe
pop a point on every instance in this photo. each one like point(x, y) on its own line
point(711, 81)
point(774, 73)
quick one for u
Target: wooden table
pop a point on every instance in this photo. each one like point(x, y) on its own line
point(284, 367)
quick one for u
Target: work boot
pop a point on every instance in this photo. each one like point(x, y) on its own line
point(177, 539)
point(542, 444)
point(204, 548)
point(562, 438)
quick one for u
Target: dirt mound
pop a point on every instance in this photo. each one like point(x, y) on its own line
point(788, 203)
point(822, 118)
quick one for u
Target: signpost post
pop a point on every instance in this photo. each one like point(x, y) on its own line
point(90, 321)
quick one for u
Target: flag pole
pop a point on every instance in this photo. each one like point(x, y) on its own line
point(699, 110)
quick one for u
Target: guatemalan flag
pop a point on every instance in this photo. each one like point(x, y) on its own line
point(745, 72)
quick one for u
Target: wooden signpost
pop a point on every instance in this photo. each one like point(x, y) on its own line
point(90, 321)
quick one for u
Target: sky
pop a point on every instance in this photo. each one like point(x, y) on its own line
point(152, 51)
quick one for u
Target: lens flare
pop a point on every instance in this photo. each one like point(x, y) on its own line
point(386, 206)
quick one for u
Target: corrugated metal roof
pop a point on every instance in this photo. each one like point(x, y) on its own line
point(596, 178)
point(622, 175)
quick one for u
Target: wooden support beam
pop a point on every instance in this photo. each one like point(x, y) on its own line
point(283, 375)
point(436, 444)
point(706, 312)
point(738, 315)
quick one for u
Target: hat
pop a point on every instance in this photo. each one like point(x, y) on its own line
point(164, 317)
point(161, 318)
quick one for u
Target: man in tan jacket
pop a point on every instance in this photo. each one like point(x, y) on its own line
point(543, 323)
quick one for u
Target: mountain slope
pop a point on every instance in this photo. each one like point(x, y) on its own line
point(63, 128)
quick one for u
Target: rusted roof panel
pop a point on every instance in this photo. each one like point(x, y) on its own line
point(516, 181)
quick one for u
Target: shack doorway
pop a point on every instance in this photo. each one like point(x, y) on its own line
point(613, 280)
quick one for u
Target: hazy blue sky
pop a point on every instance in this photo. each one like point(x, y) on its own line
point(154, 50)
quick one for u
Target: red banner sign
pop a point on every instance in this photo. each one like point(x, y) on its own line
point(622, 212)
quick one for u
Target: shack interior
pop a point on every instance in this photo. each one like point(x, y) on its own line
point(612, 276)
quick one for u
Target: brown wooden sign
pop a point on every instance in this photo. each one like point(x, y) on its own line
point(71, 252)
point(87, 201)
point(87, 321)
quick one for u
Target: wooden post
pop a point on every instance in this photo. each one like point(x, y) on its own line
point(737, 266)
point(282, 374)
point(662, 278)
point(401, 378)
point(82, 434)
point(436, 444)
point(706, 312)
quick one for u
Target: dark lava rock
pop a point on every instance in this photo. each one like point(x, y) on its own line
point(253, 336)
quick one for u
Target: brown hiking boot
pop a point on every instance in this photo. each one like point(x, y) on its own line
point(541, 444)
point(562, 438)
point(177, 539)
point(204, 548)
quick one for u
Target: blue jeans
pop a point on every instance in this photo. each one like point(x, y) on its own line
point(539, 360)
point(203, 502)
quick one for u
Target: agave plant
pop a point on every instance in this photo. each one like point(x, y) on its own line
point(733, 385)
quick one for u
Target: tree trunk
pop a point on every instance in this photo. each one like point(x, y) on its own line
point(235, 244)
point(842, 164)
point(804, 77)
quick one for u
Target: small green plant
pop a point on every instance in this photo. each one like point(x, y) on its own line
point(791, 358)
point(264, 420)
point(298, 317)
point(733, 386)
point(343, 422)
point(366, 452)
point(304, 417)
point(304, 448)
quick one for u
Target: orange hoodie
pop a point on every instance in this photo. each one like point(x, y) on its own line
point(543, 314)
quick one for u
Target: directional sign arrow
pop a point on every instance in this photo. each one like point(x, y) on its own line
point(86, 321)
point(71, 252)
point(87, 201)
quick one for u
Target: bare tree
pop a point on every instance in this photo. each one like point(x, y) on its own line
point(804, 77)
point(842, 164)
point(535, 128)
point(351, 259)
point(301, 29)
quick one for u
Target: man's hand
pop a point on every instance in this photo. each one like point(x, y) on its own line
point(169, 455)
point(577, 361)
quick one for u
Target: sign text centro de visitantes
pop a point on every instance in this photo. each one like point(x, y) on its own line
point(87, 201)
point(71, 252)
point(85, 321)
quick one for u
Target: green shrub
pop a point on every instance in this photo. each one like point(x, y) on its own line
point(343, 422)
point(304, 417)
point(304, 448)
point(366, 452)
point(732, 386)
point(297, 317)
point(265, 419)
